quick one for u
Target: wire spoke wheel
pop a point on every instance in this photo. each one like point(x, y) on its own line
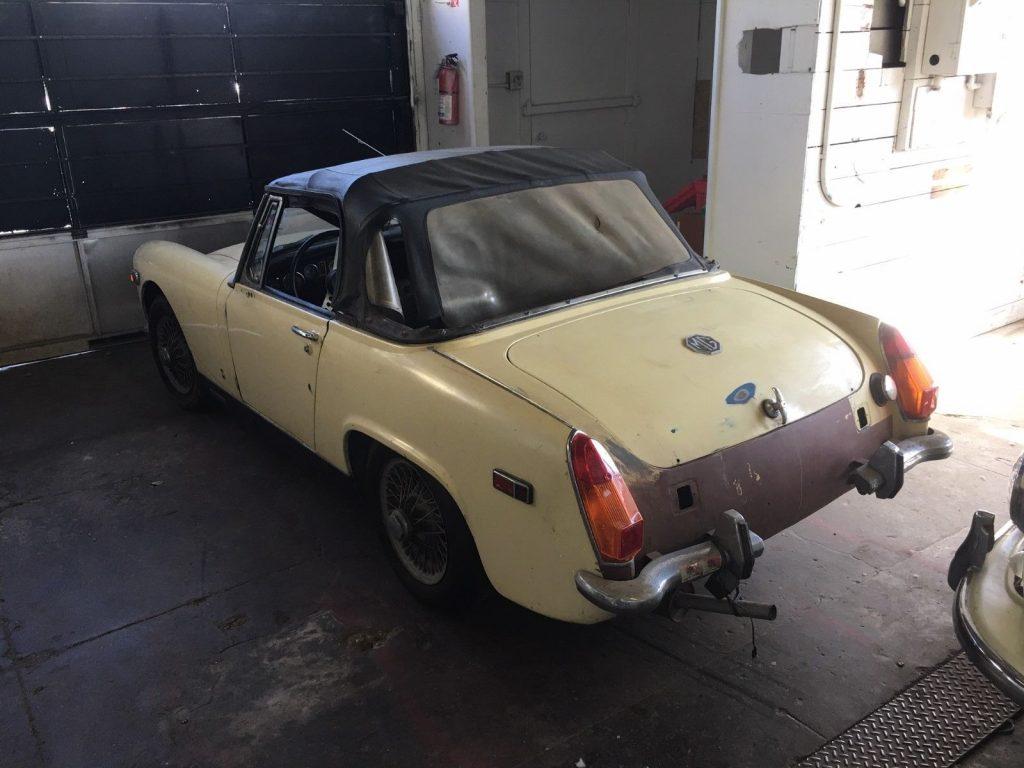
point(413, 521)
point(173, 355)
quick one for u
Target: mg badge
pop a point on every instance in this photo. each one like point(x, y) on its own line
point(705, 345)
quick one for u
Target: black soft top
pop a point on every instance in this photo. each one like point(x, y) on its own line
point(414, 176)
point(408, 186)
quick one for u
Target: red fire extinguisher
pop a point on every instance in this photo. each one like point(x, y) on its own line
point(448, 90)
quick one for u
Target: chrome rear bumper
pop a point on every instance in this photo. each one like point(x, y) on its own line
point(657, 580)
point(883, 474)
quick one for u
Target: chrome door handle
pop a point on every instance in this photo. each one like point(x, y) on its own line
point(308, 335)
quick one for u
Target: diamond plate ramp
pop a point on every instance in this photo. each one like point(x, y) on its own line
point(931, 724)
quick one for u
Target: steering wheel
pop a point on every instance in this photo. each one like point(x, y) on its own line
point(304, 246)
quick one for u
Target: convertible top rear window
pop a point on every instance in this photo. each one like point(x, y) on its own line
point(498, 255)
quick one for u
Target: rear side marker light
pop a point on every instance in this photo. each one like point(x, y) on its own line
point(520, 490)
point(616, 524)
point(916, 392)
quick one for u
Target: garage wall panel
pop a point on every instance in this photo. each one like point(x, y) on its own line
point(42, 295)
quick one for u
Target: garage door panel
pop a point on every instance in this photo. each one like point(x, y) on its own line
point(74, 59)
point(28, 145)
point(131, 170)
point(149, 98)
point(23, 97)
point(167, 202)
point(320, 126)
point(153, 136)
point(314, 53)
point(122, 93)
point(20, 60)
point(286, 18)
point(31, 186)
point(130, 18)
point(15, 19)
point(30, 181)
point(314, 86)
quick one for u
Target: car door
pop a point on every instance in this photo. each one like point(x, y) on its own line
point(275, 340)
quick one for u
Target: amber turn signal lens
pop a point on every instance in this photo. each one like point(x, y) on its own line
point(615, 522)
point(918, 394)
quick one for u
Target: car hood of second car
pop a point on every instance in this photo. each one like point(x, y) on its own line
point(630, 368)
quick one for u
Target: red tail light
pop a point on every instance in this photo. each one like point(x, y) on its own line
point(615, 522)
point(918, 394)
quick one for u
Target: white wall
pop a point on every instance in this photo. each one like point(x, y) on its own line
point(437, 28)
point(758, 145)
point(925, 238)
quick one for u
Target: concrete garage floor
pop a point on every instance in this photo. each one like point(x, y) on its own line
point(196, 590)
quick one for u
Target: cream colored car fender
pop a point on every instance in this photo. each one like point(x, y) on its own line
point(458, 426)
point(195, 285)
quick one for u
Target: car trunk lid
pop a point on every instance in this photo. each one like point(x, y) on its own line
point(630, 368)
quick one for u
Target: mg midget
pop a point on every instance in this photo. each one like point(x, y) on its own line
point(541, 384)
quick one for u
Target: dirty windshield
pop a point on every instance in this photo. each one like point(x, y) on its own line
point(509, 253)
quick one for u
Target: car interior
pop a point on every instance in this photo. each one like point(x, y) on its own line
point(305, 263)
point(302, 257)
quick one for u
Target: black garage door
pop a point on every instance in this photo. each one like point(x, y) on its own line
point(117, 112)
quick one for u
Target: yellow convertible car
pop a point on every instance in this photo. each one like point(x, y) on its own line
point(539, 380)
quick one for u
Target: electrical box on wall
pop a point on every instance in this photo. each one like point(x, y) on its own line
point(962, 37)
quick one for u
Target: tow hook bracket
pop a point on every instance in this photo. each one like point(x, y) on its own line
point(740, 547)
point(883, 474)
point(733, 538)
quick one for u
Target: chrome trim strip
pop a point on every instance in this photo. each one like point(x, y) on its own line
point(1009, 680)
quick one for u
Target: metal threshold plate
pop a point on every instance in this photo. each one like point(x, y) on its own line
point(931, 724)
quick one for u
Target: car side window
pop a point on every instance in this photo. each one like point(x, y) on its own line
point(262, 242)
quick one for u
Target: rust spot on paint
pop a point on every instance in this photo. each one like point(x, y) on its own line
point(738, 487)
point(861, 79)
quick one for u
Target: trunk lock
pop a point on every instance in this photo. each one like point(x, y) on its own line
point(775, 408)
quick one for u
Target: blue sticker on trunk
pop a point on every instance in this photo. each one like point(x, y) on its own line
point(744, 393)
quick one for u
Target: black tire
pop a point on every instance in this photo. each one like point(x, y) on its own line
point(453, 579)
point(174, 358)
